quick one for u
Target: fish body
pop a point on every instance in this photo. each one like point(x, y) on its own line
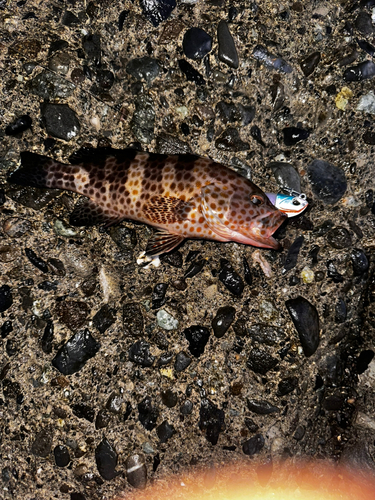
point(290, 204)
point(183, 196)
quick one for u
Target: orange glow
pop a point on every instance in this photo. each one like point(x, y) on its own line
point(317, 480)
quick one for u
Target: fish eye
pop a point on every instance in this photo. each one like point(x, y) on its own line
point(256, 200)
point(296, 202)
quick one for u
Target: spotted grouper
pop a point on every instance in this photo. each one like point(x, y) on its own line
point(183, 196)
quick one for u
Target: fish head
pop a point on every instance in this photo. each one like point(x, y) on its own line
point(243, 214)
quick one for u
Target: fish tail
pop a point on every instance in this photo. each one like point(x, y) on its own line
point(39, 171)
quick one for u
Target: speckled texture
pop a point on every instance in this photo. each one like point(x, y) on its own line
point(113, 407)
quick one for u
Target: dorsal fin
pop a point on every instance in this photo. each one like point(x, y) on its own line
point(100, 155)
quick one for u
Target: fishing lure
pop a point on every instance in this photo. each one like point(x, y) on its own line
point(290, 204)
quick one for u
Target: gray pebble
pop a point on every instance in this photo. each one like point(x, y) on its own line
point(136, 471)
point(144, 68)
point(328, 182)
point(48, 85)
point(230, 140)
point(142, 123)
point(60, 121)
point(286, 175)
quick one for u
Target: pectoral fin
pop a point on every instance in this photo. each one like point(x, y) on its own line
point(162, 242)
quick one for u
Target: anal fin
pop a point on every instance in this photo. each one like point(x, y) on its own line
point(162, 242)
point(88, 213)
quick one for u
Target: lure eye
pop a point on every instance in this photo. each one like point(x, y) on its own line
point(296, 202)
point(256, 200)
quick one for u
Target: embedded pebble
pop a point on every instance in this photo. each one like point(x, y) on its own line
point(271, 61)
point(132, 319)
point(333, 273)
point(306, 321)
point(47, 338)
point(42, 445)
point(287, 385)
point(293, 252)
point(174, 259)
point(60, 121)
point(104, 318)
point(309, 63)
point(191, 74)
point(106, 459)
point(227, 49)
point(286, 175)
point(182, 362)
point(72, 313)
point(143, 120)
point(260, 361)
point(328, 182)
point(366, 103)
point(343, 97)
point(247, 272)
point(158, 295)
point(196, 43)
point(340, 311)
point(169, 398)
point(230, 140)
point(307, 275)
point(253, 445)
point(14, 227)
point(48, 85)
point(136, 471)
point(61, 454)
point(147, 413)
point(339, 238)
point(140, 353)
point(222, 321)
point(362, 71)
point(82, 410)
point(363, 23)
point(6, 298)
point(59, 63)
point(211, 420)
point(144, 68)
point(292, 135)
point(197, 336)
point(164, 431)
point(258, 258)
point(36, 261)
point(166, 321)
point(261, 406)
point(230, 278)
point(186, 407)
point(91, 44)
point(74, 354)
point(359, 261)
point(266, 334)
point(7, 253)
point(195, 268)
point(19, 125)
point(157, 11)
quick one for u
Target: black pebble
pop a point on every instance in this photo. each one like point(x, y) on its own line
point(222, 321)
point(196, 43)
point(140, 354)
point(309, 63)
point(157, 11)
point(257, 135)
point(253, 445)
point(340, 311)
point(299, 433)
point(328, 182)
point(164, 431)
point(136, 471)
point(42, 444)
point(82, 410)
point(144, 68)
point(195, 268)
point(211, 420)
point(73, 355)
point(359, 261)
point(173, 259)
point(60, 121)
point(62, 457)
point(106, 459)
point(293, 252)
point(227, 49)
point(251, 425)
point(292, 135)
point(363, 23)
point(247, 272)
point(286, 386)
point(182, 362)
point(363, 360)
point(19, 125)
point(169, 398)
point(47, 338)
point(261, 407)
point(122, 18)
point(186, 407)
point(104, 318)
point(158, 295)
point(230, 278)
point(306, 321)
point(339, 238)
point(36, 261)
point(6, 329)
point(230, 140)
point(197, 336)
point(362, 71)
point(260, 361)
point(333, 273)
point(147, 414)
point(92, 46)
point(191, 74)
point(6, 298)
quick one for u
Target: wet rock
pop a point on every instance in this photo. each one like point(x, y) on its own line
point(140, 353)
point(104, 318)
point(62, 457)
point(334, 402)
point(228, 112)
point(293, 252)
point(85, 411)
point(230, 140)
point(196, 43)
point(48, 85)
point(197, 336)
point(260, 361)
point(339, 238)
point(157, 11)
point(227, 49)
point(286, 175)
point(164, 431)
point(333, 272)
point(309, 63)
point(292, 135)
point(73, 355)
point(362, 71)
point(6, 298)
point(47, 338)
point(191, 74)
point(257, 135)
point(222, 321)
point(142, 123)
point(286, 386)
point(366, 46)
point(72, 313)
point(106, 459)
point(253, 445)
point(211, 420)
point(195, 268)
point(144, 68)
point(266, 334)
point(271, 61)
point(147, 414)
point(359, 261)
point(174, 259)
point(169, 398)
point(136, 471)
point(168, 144)
point(261, 406)
point(306, 321)
point(230, 278)
point(19, 125)
point(103, 418)
point(166, 321)
point(158, 295)
point(363, 23)
point(186, 407)
point(328, 182)
point(14, 227)
point(36, 261)
point(104, 79)
point(92, 46)
point(132, 319)
point(115, 403)
point(182, 362)
point(60, 121)
point(165, 358)
point(59, 63)
point(42, 444)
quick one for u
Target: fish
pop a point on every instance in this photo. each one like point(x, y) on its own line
point(290, 204)
point(182, 196)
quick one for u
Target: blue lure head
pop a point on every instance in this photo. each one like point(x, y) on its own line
point(290, 204)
